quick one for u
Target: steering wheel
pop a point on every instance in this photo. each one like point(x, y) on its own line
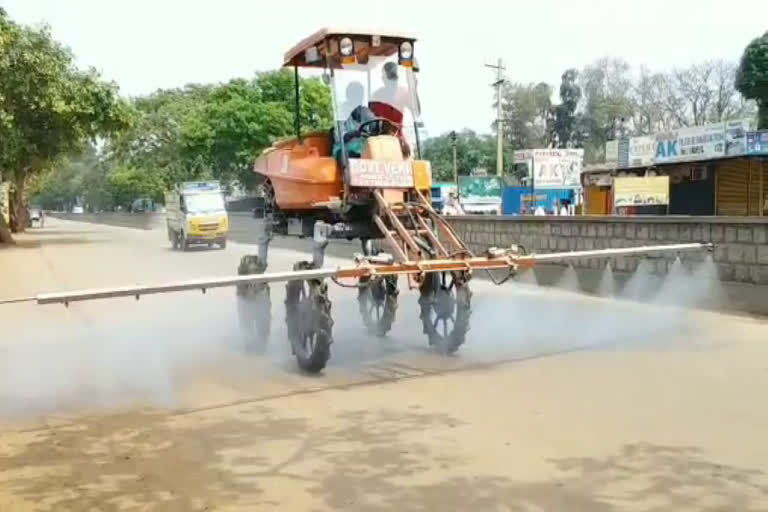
point(366, 128)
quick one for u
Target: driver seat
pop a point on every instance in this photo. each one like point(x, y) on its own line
point(385, 148)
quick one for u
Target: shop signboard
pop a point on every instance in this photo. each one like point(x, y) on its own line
point(736, 137)
point(480, 189)
point(757, 143)
point(524, 157)
point(641, 150)
point(641, 191)
point(691, 143)
point(557, 168)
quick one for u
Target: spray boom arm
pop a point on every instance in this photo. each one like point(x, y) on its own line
point(495, 259)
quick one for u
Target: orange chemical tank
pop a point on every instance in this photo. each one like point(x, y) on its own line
point(304, 175)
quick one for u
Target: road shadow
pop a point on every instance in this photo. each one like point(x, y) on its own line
point(58, 232)
point(32, 243)
point(145, 462)
point(644, 476)
point(372, 459)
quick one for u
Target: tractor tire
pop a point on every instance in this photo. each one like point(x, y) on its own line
point(309, 322)
point(223, 244)
point(254, 305)
point(255, 315)
point(378, 304)
point(443, 299)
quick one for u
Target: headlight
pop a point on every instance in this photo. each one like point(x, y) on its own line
point(406, 50)
point(346, 47)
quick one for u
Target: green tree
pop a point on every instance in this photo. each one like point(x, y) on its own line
point(216, 131)
point(49, 107)
point(78, 178)
point(473, 151)
point(126, 184)
point(526, 109)
point(316, 106)
point(564, 123)
point(606, 88)
point(232, 127)
point(155, 143)
point(752, 76)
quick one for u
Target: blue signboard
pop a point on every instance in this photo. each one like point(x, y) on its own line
point(519, 200)
point(757, 143)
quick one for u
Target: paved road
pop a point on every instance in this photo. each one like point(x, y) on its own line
point(557, 402)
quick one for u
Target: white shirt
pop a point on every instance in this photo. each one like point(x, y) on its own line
point(393, 95)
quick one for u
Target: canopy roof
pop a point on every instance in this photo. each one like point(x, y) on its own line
point(326, 41)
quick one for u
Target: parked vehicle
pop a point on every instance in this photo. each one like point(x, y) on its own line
point(36, 216)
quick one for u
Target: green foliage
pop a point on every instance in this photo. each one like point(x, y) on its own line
point(127, 184)
point(473, 151)
point(526, 108)
point(216, 131)
point(752, 76)
point(49, 107)
point(606, 89)
point(564, 123)
point(227, 132)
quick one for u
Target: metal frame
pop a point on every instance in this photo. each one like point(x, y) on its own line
point(495, 259)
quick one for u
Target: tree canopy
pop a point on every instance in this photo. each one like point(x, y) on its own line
point(473, 152)
point(752, 76)
point(217, 130)
point(49, 108)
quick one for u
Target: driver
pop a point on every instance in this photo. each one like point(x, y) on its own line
point(390, 102)
point(358, 114)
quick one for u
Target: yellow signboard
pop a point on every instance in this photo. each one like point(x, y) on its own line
point(5, 202)
point(641, 191)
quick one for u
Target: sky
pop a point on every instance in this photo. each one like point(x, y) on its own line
point(144, 45)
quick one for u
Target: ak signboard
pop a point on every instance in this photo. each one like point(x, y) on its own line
point(692, 143)
point(557, 168)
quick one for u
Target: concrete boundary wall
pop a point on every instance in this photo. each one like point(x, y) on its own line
point(741, 243)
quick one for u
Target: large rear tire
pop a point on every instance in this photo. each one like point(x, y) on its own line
point(377, 300)
point(308, 318)
point(445, 305)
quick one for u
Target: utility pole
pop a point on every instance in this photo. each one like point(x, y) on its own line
point(455, 164)
point(499, 67)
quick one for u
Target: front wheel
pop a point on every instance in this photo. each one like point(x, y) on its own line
point(377, 300)
point(254, 305)
point(309, 322)
point(445, 305)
